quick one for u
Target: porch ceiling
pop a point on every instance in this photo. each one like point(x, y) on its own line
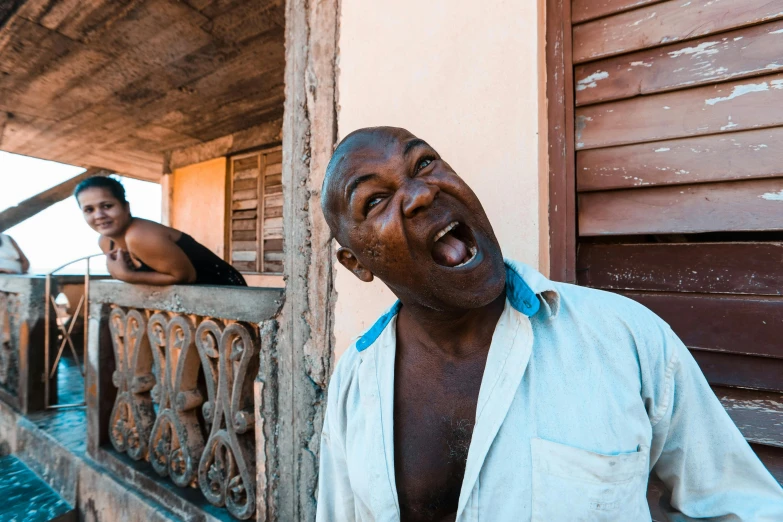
point(116, 83)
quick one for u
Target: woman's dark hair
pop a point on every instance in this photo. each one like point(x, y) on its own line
point(111, 184)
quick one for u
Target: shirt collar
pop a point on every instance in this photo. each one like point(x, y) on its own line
point(527, 290)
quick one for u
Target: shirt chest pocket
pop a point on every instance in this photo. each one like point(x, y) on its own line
point(571, 484)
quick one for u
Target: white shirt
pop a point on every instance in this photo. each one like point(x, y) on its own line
point(583, 395)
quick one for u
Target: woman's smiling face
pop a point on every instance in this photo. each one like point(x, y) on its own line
point(103, 212)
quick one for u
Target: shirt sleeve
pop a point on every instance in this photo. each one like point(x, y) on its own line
point(699, 453)
point(335, 496)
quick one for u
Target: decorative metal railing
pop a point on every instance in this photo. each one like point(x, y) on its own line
point(9, 342)
point(22, 326)
point(186, 389)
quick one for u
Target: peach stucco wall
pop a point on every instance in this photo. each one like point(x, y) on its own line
point(198, 204)
point(469, 78)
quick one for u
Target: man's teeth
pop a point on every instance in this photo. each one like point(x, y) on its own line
point(446, 230)
point(473, 251)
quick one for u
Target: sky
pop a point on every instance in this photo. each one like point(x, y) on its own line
point(59, 234)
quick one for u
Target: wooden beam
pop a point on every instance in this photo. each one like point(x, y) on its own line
point(28, 208)
point(267, 134)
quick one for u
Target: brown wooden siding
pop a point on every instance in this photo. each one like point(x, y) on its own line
point(678, 149)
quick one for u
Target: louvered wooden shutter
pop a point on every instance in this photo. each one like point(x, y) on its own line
point(679, 174)
point(256, 224)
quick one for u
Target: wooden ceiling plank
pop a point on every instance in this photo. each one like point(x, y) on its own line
point(750, 51)
point(146, 20)
point(721, 157)
point(237, 116)
point(246, 21)
point(754, 205)
point(90, 21)
point(199, 5)
point(727, 107)
point(665, 23)
point(62, 9)
point(27, 49)
point(266, 133)
point(219, 86)
point(44, 89)
point(120, 89)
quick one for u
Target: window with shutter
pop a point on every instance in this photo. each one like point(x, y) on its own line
point(255, 227)
point(670, 140)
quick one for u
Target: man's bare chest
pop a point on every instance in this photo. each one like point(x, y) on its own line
point(434, 416)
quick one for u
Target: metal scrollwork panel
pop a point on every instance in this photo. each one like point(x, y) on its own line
point(226, 472)
point(176, 442)
point(133, 412)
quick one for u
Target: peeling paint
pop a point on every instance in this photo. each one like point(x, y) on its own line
point(741, 90)
point(642, 64)
point(650, 17)
point(773, 196)
point(729, 125)
point(779, 31)
point(777, 84)
point(701, 49)
point(663, 149)
point(590, 81)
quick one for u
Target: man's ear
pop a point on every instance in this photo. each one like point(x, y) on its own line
point(349, 261)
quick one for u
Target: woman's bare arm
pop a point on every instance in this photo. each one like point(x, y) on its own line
point(152, 244)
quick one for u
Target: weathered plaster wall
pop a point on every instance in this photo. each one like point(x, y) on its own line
point(198, 204)
point(469, 78)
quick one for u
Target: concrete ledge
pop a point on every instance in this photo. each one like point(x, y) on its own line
point(252, 305)
point(97, 494)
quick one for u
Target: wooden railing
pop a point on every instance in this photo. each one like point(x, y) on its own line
point(181, 389)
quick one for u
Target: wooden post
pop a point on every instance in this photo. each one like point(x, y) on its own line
point(28, 208)
point(166, 198)
point(305, 339)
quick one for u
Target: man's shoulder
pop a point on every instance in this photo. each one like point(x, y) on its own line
point(585, 303)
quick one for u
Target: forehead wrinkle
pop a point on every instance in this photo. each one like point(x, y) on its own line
point(361, 145)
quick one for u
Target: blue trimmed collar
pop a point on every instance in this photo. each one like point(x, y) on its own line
point(519, 294)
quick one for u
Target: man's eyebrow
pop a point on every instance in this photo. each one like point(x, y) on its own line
point(412, 144)
point(355, 184)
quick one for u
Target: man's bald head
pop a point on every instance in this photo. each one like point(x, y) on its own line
point(401, 213)
point(357, 145)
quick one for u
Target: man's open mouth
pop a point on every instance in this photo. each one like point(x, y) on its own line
point(454, 245)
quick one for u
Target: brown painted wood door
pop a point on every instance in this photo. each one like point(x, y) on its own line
point(678, 172)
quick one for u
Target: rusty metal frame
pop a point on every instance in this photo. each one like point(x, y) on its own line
point(83, 309)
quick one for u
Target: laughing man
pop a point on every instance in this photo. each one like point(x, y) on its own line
point(489, 393)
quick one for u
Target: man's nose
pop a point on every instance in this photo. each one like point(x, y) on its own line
point(418, 196)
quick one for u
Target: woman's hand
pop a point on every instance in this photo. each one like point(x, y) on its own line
point(118, 264)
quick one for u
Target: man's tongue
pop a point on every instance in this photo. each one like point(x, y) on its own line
point(449, 251)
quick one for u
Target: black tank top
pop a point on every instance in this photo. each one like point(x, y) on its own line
point(210, 269)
